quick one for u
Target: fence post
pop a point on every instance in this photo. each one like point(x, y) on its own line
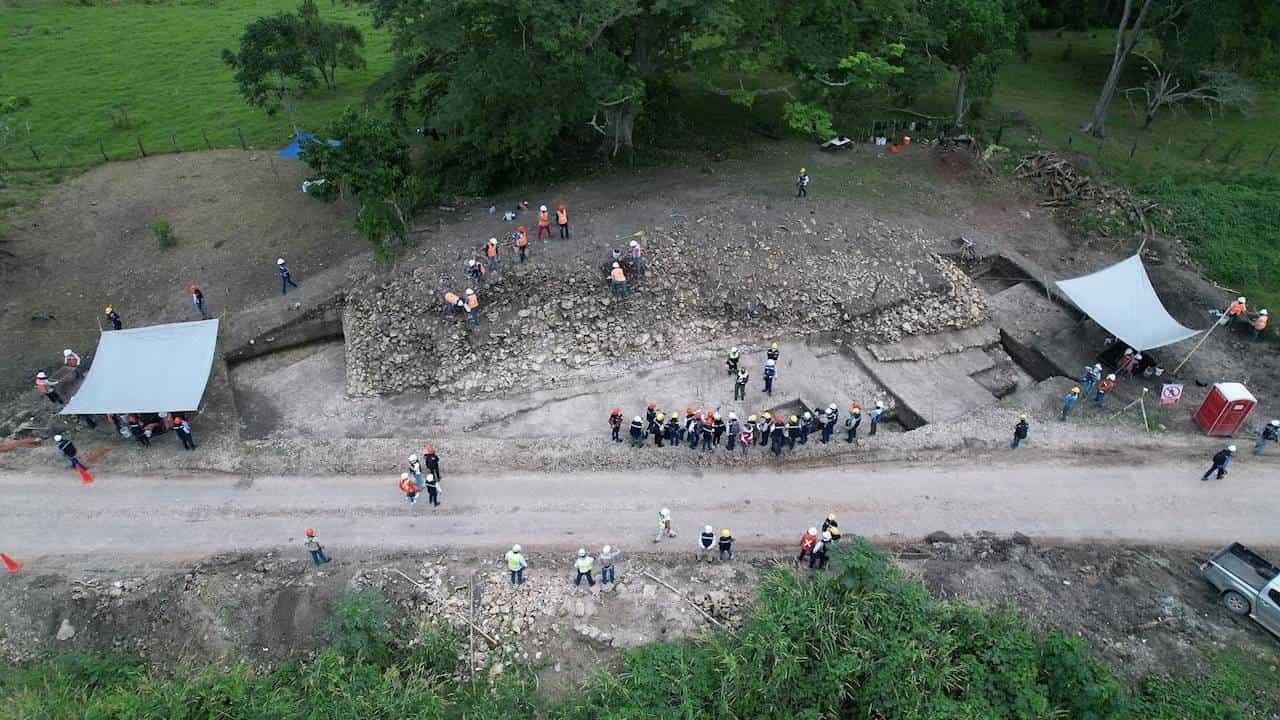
point(1133, 149)
point(205, 133)
point(173, 139)
point(34, 154)
point(240, 132)
point(141, 149)
point(1267, 162)
point(103, 151)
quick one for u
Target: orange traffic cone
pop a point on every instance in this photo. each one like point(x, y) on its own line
point(10, 564)
point(85, 476)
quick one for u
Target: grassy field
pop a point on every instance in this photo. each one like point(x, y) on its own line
point(119, 72)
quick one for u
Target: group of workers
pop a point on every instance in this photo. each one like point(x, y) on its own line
point(414, 480)
point(1238, 314)
point(634, 261)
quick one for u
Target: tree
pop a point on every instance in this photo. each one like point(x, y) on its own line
point(977, 37)
point(1128, 33)
point(372, 162)
point(1214, 87)
point(272, 66)
point(329, 45)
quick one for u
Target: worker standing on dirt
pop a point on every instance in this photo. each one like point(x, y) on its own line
point(197, 299)
point(182, 429)
point(72, 360)
point(113, 317)
point(608, 558)
point(778, 434)
point(766, 428)
point(492, 261)
point(725, 545)
point(793, 432)
point(1259, 324)
point(1069, 402)
point(522, 244)
point(637, 258)
point(806, 427)
point(415, 470)
point(770, 372)
point(829, 426)
point(732, 362)
point(818, 556)
point(1238, 311)
point(672, 430)
point(45, 387)
point(650, 414)
point(1221, 459)
point(432, 461)
point(583, 564)
point(692, 428)
point(746, 438)
point(1092, 374)
point(476, 271)
point(408, 488)
point(68, 450)
point(286, 278)
point(1269, 433)
point(637, 432)
point(877, 415)
point(802, 184)
point(749, 427)
point(562, 219)
point(852, 422)
point(706, 541)
point(657, 428)
point(773, 353)
point(1020, 431)
point(139, 433)
point(544, 222)
point(516, 564)
point(314, 547)
point(1104, 387)
point(433, 489)
point(717, 429)
point(615, 425)
point(664, 525)
point(740, 384)
point(807, 541)
point(618, 281)
point(707, 429)
point(473, 307)
point(731, 432)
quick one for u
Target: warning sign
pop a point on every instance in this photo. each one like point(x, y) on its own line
point(1170, 394)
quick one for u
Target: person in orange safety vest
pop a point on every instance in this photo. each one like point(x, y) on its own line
point(522, 243)
point(618, 280)
point(544, 222)
point(473, 307)
point(408, 488)
point(491, 255)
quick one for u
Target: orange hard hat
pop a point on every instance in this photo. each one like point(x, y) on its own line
point(617, 411)
point(431, 448)
point(653, 405)
point(562, 207)
point(688, 411)
point(854, 406)
point(311, 533)
point(521, 228)
point(777, 418)
point(194, 288)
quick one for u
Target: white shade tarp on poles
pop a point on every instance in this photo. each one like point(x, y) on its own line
point(1121, 300)
point(160, 368)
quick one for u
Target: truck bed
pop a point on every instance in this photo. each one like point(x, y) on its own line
point(1246, 565)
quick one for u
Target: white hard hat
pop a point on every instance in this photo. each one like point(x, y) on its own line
point(413, 458)
point(471, 262)
point(404, 476)
point(493, 241)
point(808, 415)
point(543, 208)
point(832, 406)
point(1262, 311)
point(1128, 351)
point(470, 291)
point(1231, 448)
point(1137, 355)
point(813, 531)
point(41, 374)
point(616, 265)
point(733, 349)
point(664, 511)
point(515, 548)
point(635, 419)
point(770, 362)
point(57, 438)
point(880, 404)
point(733, 416)
point(1097, 366)
point(582, 552)
point(634, 243)
point(1111, 376)
point(708, 529)
point(1275, 423)
point(1240, 299)
point(279, 261)
point(67, 352)
point(606, 549)
point(826, 536)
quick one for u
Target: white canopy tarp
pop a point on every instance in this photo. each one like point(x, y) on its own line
point(1121, 300)
point(151, 369)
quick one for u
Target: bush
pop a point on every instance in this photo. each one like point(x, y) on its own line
point(359, 626)
point(164, 234)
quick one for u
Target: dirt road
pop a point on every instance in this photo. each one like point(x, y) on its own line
point(157, 519)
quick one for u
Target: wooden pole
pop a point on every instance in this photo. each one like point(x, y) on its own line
point(1197, 347)
point(240, 132)
point(140, 148)
point(205, 133)
point(1267, 162)
point(103, 151)
point(173, 139)
point(696, 606)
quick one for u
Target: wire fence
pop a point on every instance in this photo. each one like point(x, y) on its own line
point(32, 155)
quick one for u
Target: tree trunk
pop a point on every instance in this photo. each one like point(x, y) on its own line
point(962, 78)
point(1124, 44)
point(621, 119)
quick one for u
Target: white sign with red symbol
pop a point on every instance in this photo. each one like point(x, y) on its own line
point(1170, 394)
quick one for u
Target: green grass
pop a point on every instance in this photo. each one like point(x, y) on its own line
point(80, 66)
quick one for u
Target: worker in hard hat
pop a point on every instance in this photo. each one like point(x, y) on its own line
point(1259, 324)
point(1270, 432)
point(877, 415)
point(807, 541)
point(1128, 361)
point(731, 430)
point(636, 253)
point(1020, 431)
point(793, 431)
point(72, 360)
point(493, 262)
point(802, 183)
point(766, 428)
point(473, 307)
point(852, 422)
point(708, 431)
point(475, 269)
point(770, 372)
point(544, 222)
point(1092, 374)
point(286, 278)
point(725, 545)
point(615, 425)
point(409, 489)
point(732, 362)
point(672, 430)
point(818, 556)
point(113, 317)
point(1105, 385)
point(806, 426)
point(618, 281)
point(521, 239)
point(717, 428)
point(746, 438)
point(432, 461)
point(773, 353)
point(46, 387)
point(583, 564)
point(314, 547)
point(706, 541)
point(832, 526)
point(608, 558)
point(740, 384)
point(415, 471)
point(197, 299)
point(562, 220)
point(516, 564)
point(650, 413)
point(778, 434)
point(637, 432)
point(68, 450)
point(1221, 459)
point(658, 428)
point(1069, 402)
point(1236, 312)
point(693, 429)
point(831, 417)
point(664, 525)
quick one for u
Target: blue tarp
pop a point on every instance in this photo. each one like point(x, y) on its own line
point(292, 149)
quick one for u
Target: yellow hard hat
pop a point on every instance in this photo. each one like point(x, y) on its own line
point(831, 516)
point(661, 417)
point(716, 416)
point(801, 169)
point(1022, 416)
point(1075, 389)
point(773, 346)
point(751, 418)
point(108, 309)
point(724, 532)
point(795, 419)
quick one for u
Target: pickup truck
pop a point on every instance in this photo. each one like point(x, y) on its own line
point(1248, 584)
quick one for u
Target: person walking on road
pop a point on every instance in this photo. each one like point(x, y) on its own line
point(1221, 459)
point(1104, 386)
point(408, 488)
point(706, 542)
point(68, 450)
point(1269, 433)
point(1069, 402)
point(608, 558)
point(197, 299)
point(807, 542)
point(516, 564)
point(583, 565)
point(725, 545)
point(314, 547)
point(770, 372)
point(432, 461)
point(286, 278)
point(562, 220)
point(664, 525)
point(1020, 431)
point(852, 422)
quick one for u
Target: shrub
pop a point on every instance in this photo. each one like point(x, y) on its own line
point(164, 234)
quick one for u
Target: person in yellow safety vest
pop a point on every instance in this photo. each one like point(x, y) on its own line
point(544, 222)
point(562, 219)
point(522, 243)
point(491, 255)
point(44, 386)
point(72, 360)
point(618, 281)
point(664, 525)
point(583, 565)
point(516, 564)
point(473, 307)
point(1259, 324)
point(451, 302)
